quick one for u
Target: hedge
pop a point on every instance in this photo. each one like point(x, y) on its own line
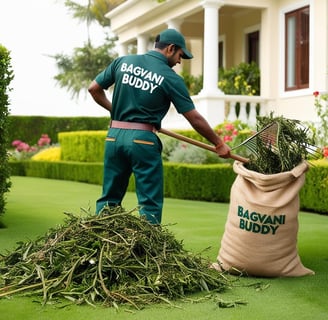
point(182, 181)
point(6, 76)
point(314, 194)
point(198, 182)
point(30, 128)
point(82, 146)
point(61, 170)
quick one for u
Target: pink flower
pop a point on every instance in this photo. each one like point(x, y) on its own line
point(227, 138)
point(44, 140)
point(16, 143)
point(229, 127)
point(235, 132)
point(23, 147)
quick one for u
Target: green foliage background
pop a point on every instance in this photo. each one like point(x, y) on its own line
point(30, 128)
point(6, 75)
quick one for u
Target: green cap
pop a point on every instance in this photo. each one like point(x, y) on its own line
point(172, 36)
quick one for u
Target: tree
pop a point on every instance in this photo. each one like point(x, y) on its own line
point(79, 69)
point(6, 75)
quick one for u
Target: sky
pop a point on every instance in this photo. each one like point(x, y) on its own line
point(31, 30)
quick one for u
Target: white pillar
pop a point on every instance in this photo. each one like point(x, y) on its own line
point(211, 50)
point(174, 24)
point(210, 100)
point(122, 49)
point(142, 43)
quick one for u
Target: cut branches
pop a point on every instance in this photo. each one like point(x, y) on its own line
point(113, 258)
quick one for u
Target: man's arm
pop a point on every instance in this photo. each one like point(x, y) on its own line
point(98, 94)
point(199, 123)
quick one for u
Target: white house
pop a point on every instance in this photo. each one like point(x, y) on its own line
point(287, 38)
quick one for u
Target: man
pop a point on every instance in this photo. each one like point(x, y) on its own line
point(145, 86)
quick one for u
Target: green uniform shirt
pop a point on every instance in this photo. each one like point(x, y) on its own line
point(145, 86)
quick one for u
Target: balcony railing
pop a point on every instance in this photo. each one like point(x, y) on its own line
point(244, 108)
point(237, 107)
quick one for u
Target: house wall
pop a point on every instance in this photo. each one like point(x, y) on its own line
point(241, 23)
point(300, 103)
point(237, 17)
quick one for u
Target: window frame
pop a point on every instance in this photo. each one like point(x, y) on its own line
point(300, 48)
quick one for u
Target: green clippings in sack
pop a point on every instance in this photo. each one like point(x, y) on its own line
point(292, 144)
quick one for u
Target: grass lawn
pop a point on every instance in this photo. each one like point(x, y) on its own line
point(34, 205)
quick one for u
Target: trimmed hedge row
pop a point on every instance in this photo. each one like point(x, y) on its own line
point(198, 182)
point(182, 181)
point(88, 146)
point(314, 194)
point(82, 146)
point(30, 128)
point(61, 170)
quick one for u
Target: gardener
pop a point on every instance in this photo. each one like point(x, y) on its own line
point(145, 86)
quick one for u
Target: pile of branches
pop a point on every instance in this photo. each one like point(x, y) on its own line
point(113, 258)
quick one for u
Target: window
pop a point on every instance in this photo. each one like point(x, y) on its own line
point(297, 32)
point(253, 52)
point(221, 54)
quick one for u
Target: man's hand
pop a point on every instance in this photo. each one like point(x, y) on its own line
point(223, 150)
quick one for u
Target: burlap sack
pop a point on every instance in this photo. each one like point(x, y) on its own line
point(260, 236)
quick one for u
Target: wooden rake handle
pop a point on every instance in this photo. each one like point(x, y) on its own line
point(199, 144)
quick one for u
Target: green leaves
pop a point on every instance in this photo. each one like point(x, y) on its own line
point(77, 71)
point(6, 76)
point(292, 143)
point(242, 79)
point(114, 258)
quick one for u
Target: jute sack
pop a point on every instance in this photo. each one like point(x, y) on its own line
point(260, 236)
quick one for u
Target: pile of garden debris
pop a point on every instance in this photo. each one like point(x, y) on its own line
point(113, 258)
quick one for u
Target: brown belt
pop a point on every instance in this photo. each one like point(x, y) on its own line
point(132, 125)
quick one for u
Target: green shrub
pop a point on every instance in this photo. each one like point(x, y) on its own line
point(6, 76)
point(241, 79)
point(17, 168)
point(65, 170)
point(314, 194)
point(82, 146)
point(198, 182)
point(194, 84)
point(49, 154)
point(30, 128)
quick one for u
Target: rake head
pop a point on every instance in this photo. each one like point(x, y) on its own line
point(266, 137)
point(280, 145)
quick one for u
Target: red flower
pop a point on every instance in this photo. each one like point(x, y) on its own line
point(325, 152)
point(316, 93)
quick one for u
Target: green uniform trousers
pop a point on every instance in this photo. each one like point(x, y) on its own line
point(139, 152)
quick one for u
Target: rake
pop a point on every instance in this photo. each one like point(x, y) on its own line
point(270, 139)
point(266, 137)
point(199, 144)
